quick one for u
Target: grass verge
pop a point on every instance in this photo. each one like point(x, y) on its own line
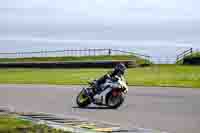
point(10, 124)
point(155, 75)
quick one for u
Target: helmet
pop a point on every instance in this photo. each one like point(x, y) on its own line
point(120, 68)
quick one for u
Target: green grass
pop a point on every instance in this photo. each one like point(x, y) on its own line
point(73, 58)
point(166, 75)
point(155, 75)
point(10, 124)
point(193, 55)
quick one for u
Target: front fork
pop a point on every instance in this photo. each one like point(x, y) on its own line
point(89, 92)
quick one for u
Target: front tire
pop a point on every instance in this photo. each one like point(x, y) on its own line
point(83, 100)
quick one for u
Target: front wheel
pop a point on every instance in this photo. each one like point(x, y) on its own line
point(115, 101)
point(83, 100)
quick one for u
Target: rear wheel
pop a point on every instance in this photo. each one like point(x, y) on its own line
point(83, 99)
point(115, 101)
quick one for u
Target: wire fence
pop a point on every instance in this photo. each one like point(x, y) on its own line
point(98, 52)
point(71, 52)
point(57, 53)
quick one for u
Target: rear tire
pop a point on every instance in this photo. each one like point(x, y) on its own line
point(120, 101)
point(83, 103)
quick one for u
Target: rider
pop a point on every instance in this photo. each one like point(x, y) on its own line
point(119, 71)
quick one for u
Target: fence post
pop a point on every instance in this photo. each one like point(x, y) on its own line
point(109, 52)
point(89, 52)
point(191, 50)
point(94, 51)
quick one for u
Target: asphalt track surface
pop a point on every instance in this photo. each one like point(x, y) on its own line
point(175, 110)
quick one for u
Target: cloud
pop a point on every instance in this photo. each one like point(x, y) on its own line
point(125, 20)
point(113, 9)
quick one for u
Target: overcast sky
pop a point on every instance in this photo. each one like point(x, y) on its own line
point(50, 24)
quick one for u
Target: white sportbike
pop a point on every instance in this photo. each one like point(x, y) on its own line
point(113, 94)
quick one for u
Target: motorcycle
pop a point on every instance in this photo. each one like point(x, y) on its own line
point(112, 96)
